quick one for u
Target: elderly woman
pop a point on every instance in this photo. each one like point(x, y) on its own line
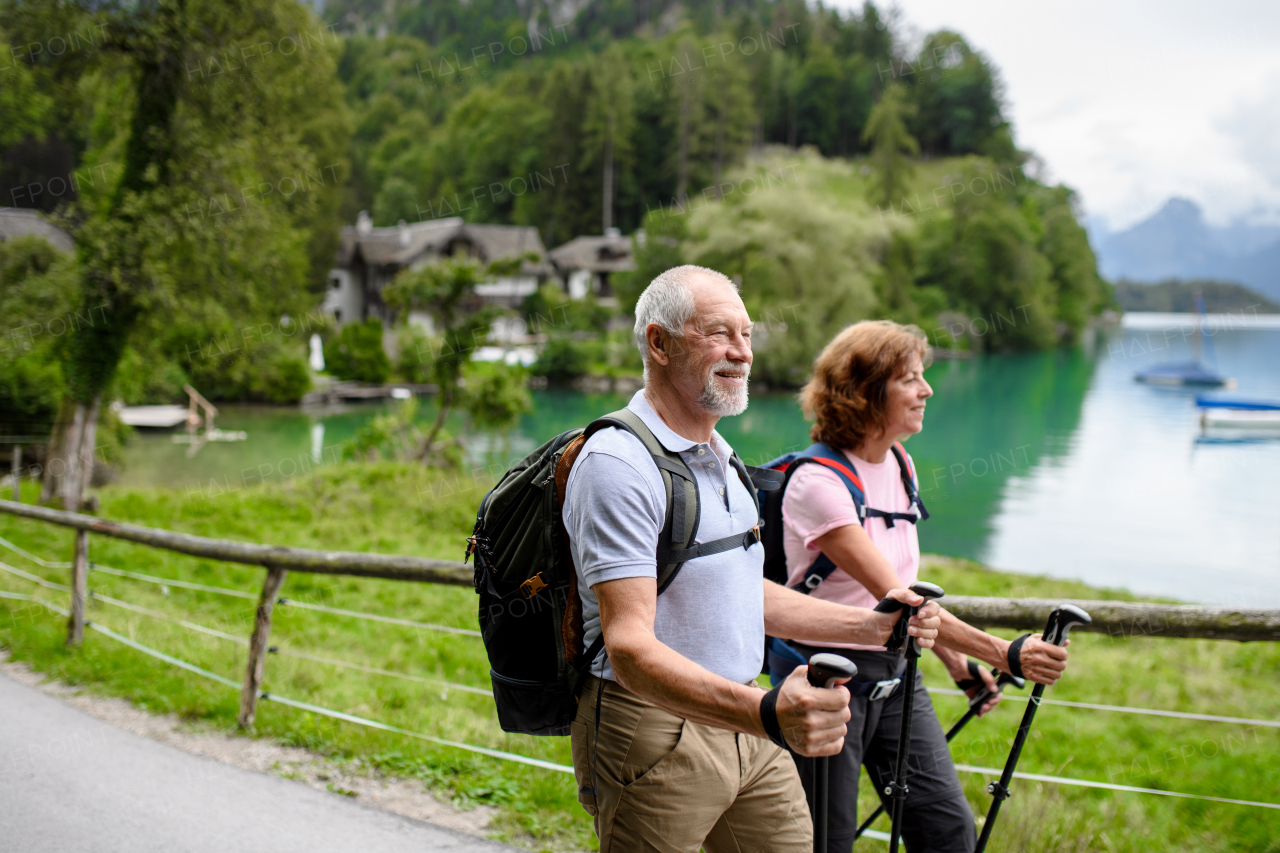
point(868, 392)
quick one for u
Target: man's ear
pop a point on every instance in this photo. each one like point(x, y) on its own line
point(659, 344)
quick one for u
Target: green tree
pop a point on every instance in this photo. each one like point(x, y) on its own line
point(37, 285)
point(22, 104)
point(494, 396)
point(609, 121)
point(817, 100)
point(194, 137)
point(957, 97)
point(804, 264)
point(891, 144)
point(985, 257)
point(731, 120)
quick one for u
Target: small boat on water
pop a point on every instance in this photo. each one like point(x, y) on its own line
point(1239, 413)
point(1183, 373)
point(1188, 372)
point(152, 417)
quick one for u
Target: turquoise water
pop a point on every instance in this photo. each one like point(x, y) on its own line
point(1052, 463)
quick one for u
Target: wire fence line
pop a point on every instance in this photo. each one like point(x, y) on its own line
point(563, 768)
point(1127, 709)
point(279, 560)
point(282, 700)
point(222, 635)
point(220, 590)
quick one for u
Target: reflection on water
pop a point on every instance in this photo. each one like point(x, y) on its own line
point(1050, 463)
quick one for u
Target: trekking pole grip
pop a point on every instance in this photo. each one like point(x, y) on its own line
point(1061, 621)
point(826, 669)
point(899, 636)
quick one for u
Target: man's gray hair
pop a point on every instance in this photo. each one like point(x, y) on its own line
point(668, 302)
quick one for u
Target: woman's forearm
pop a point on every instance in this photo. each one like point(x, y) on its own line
point(964, 638)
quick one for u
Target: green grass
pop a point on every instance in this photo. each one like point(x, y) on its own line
point(402, 509)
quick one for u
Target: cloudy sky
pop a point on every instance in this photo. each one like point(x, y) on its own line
point(1134, 101)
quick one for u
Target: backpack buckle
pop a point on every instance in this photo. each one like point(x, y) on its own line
point(533, 586)
point(884, 689)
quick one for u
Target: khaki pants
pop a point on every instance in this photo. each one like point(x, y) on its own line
point(667, 784)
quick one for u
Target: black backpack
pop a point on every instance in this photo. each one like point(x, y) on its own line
point(530, 612)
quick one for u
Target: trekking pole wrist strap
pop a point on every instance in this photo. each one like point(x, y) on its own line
point(974, 679)
point(769, 716)
point(1015, 656)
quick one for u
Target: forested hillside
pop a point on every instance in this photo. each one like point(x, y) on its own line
point(455, 96)
point(816, 155)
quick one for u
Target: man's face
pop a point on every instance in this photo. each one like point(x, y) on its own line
point(711, 363)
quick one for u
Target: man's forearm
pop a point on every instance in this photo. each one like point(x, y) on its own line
point(788, 613)
point(659, 674)
point(962, 637)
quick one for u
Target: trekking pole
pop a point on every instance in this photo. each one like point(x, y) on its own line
point(897, 787)
point(824, 671)
point(1002, 679)
point(1059, 625)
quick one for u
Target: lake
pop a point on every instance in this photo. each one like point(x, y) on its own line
point(1054, 463)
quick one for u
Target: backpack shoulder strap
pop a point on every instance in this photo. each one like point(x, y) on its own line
point(910, 482)
point(683, 508)
point(836, 462)
point(680, 527)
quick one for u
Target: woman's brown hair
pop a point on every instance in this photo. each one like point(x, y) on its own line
point(845, 399)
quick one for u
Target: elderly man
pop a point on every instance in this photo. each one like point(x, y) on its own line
point(673, 747)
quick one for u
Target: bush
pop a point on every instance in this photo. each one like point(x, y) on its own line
point(564, 359)
point(416, 363)
point(357, 353)
point(497, 395)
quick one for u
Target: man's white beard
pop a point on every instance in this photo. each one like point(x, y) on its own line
point(724, 400)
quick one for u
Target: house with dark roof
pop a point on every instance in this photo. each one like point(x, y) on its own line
point(368, 258)
point(585, 264)
point(18, 221)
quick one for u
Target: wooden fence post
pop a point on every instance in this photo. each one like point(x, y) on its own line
point(79, 589)
point(258, 646)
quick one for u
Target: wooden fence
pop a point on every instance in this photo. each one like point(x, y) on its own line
point(1116, 618)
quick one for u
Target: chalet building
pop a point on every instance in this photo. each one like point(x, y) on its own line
point(584, 264)
point(368, 259)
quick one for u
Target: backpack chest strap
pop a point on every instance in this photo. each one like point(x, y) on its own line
point(715, 546)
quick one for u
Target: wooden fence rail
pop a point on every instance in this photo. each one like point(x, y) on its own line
point(1115, 618)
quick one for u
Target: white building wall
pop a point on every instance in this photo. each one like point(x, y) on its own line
point(344, 298)
point(579, 283)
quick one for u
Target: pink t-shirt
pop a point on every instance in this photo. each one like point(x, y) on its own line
point(816, 502)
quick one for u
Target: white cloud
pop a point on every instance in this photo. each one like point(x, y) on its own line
point(1131, 103)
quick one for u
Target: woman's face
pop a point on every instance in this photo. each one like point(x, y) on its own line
point(904, 400)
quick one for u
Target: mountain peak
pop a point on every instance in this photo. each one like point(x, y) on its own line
point(1182, 210)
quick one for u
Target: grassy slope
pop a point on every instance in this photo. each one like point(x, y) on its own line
point(392, 508)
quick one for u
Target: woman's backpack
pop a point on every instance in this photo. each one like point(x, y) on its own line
point(775, 557)
point(530, 612)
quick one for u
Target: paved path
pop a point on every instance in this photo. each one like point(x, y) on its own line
point(70, 782)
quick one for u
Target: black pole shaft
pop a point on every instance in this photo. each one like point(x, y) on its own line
point(821, 778)
point(1000, 790)
point(954, 730)
point(898, 787)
